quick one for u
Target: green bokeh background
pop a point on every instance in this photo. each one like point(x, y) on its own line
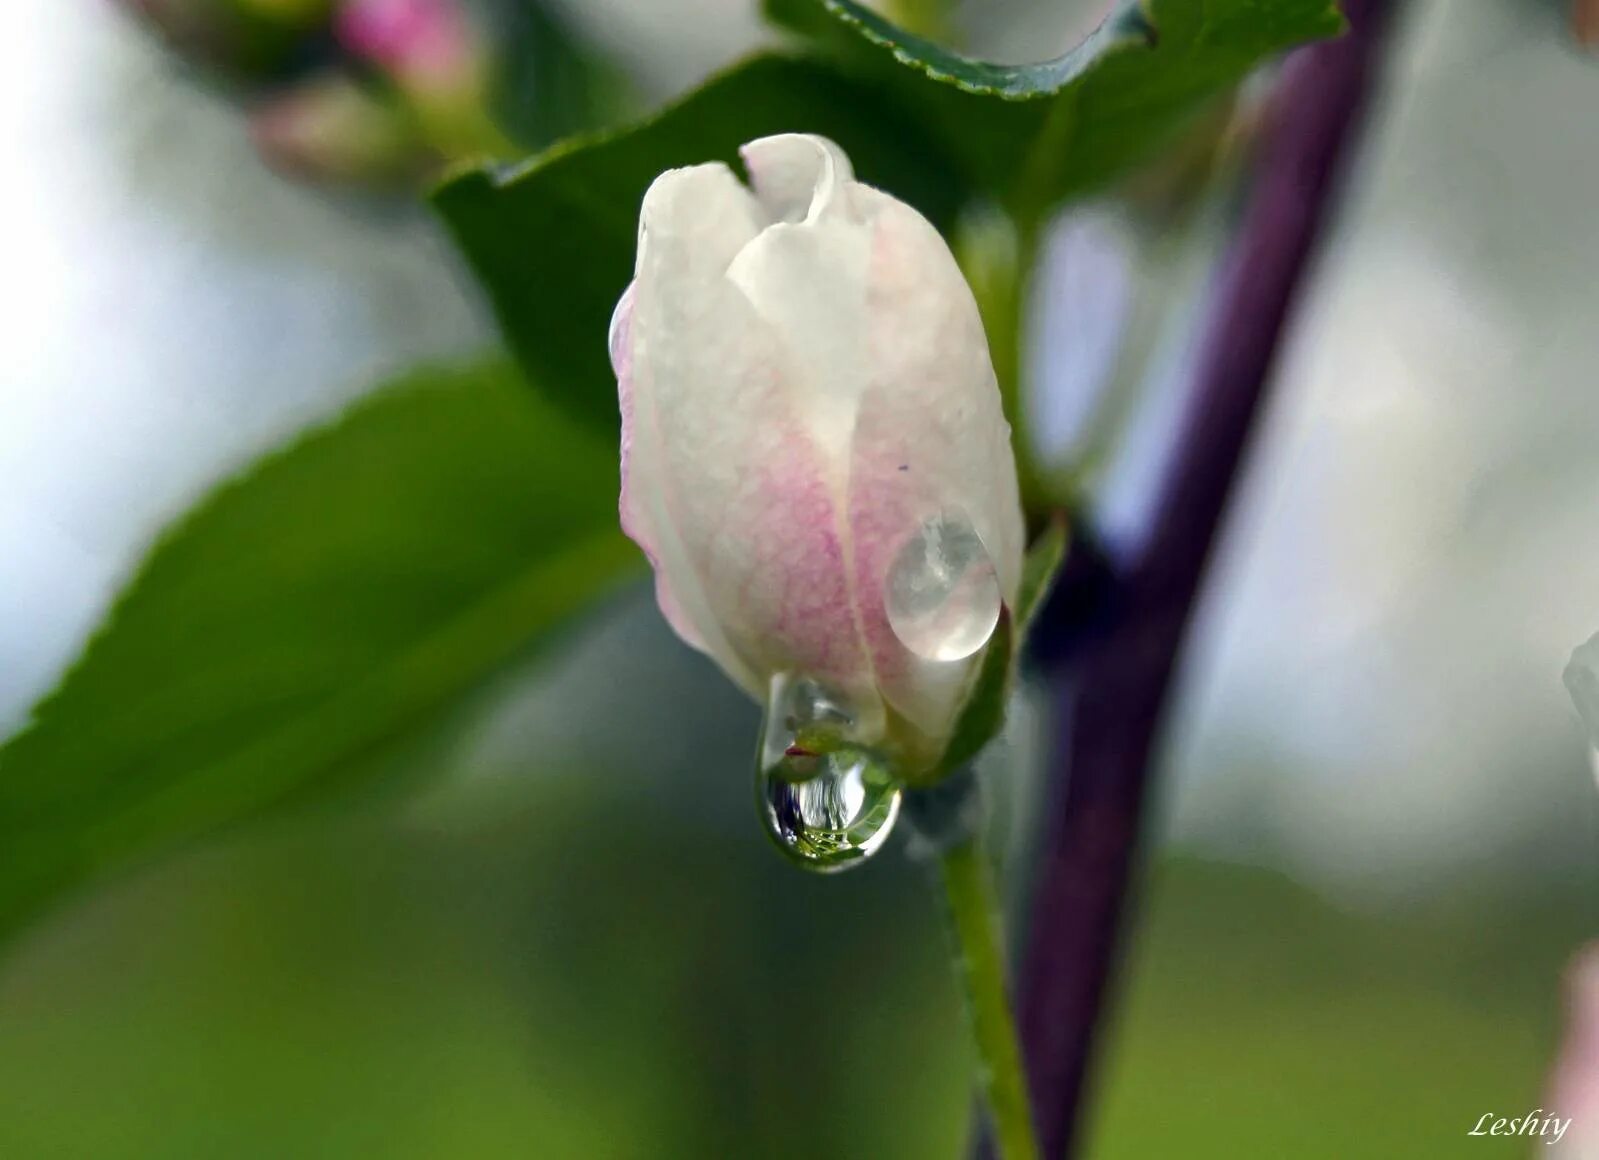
point(569, 966)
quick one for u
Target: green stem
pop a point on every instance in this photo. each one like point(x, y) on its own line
point(973, 917)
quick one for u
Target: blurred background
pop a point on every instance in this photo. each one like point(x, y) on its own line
point(1378, 838)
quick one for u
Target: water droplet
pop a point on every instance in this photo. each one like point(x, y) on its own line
point(941, 593)
point(794, 704)
point(838, 816)
point(829, 807)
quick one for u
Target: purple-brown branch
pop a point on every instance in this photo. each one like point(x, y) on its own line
point(1114, 688)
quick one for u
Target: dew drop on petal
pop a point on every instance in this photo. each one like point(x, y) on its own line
point(941, 593)
point(828, 811)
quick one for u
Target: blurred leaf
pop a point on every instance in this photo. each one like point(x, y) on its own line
point(331, 600)
point(551, 84)
point(1044, 558)
point(1239, 981)
point(552, 243)
point(1037, 134)
point(577, 957)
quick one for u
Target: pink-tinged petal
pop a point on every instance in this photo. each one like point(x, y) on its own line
point(805, 382)
point(930, 437)
point(703, 216)
point(895, 388)
point(735, 502)
point(634, 518)
point(807, 282)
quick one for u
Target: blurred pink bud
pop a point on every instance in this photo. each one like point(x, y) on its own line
point(332, 129)
point(424, 44)
point(814, 455)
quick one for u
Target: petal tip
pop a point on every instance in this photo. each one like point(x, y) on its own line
point(797, 176)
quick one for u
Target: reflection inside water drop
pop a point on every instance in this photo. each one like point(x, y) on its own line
point(941, 593)
point(826, 801)
point(836, 818)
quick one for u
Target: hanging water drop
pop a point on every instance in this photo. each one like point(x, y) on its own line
point(826, 801)
point(941, 593)
point(798, 704)
point(839, 816)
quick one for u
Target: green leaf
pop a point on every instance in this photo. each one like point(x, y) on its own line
point(843, 25)
point(1037, 134)
point(983, 715)
point(305, 617)
point(550, 84)
point(552, 243)
point(1039, 570)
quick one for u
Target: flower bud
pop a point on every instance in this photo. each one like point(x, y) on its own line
point(428, 47)
point(433, 55)
point(814, 454)
point(331, 129)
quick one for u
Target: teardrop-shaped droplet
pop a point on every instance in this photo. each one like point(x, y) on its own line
point(839, 815)
point(795, 704)
point(826, 800)
point(941, 593)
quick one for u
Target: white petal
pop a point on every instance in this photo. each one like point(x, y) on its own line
point(693, 220)
point(704, 213)
point(797, 175)
point(724, 481)
point(808, 282)
point(930, 437)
